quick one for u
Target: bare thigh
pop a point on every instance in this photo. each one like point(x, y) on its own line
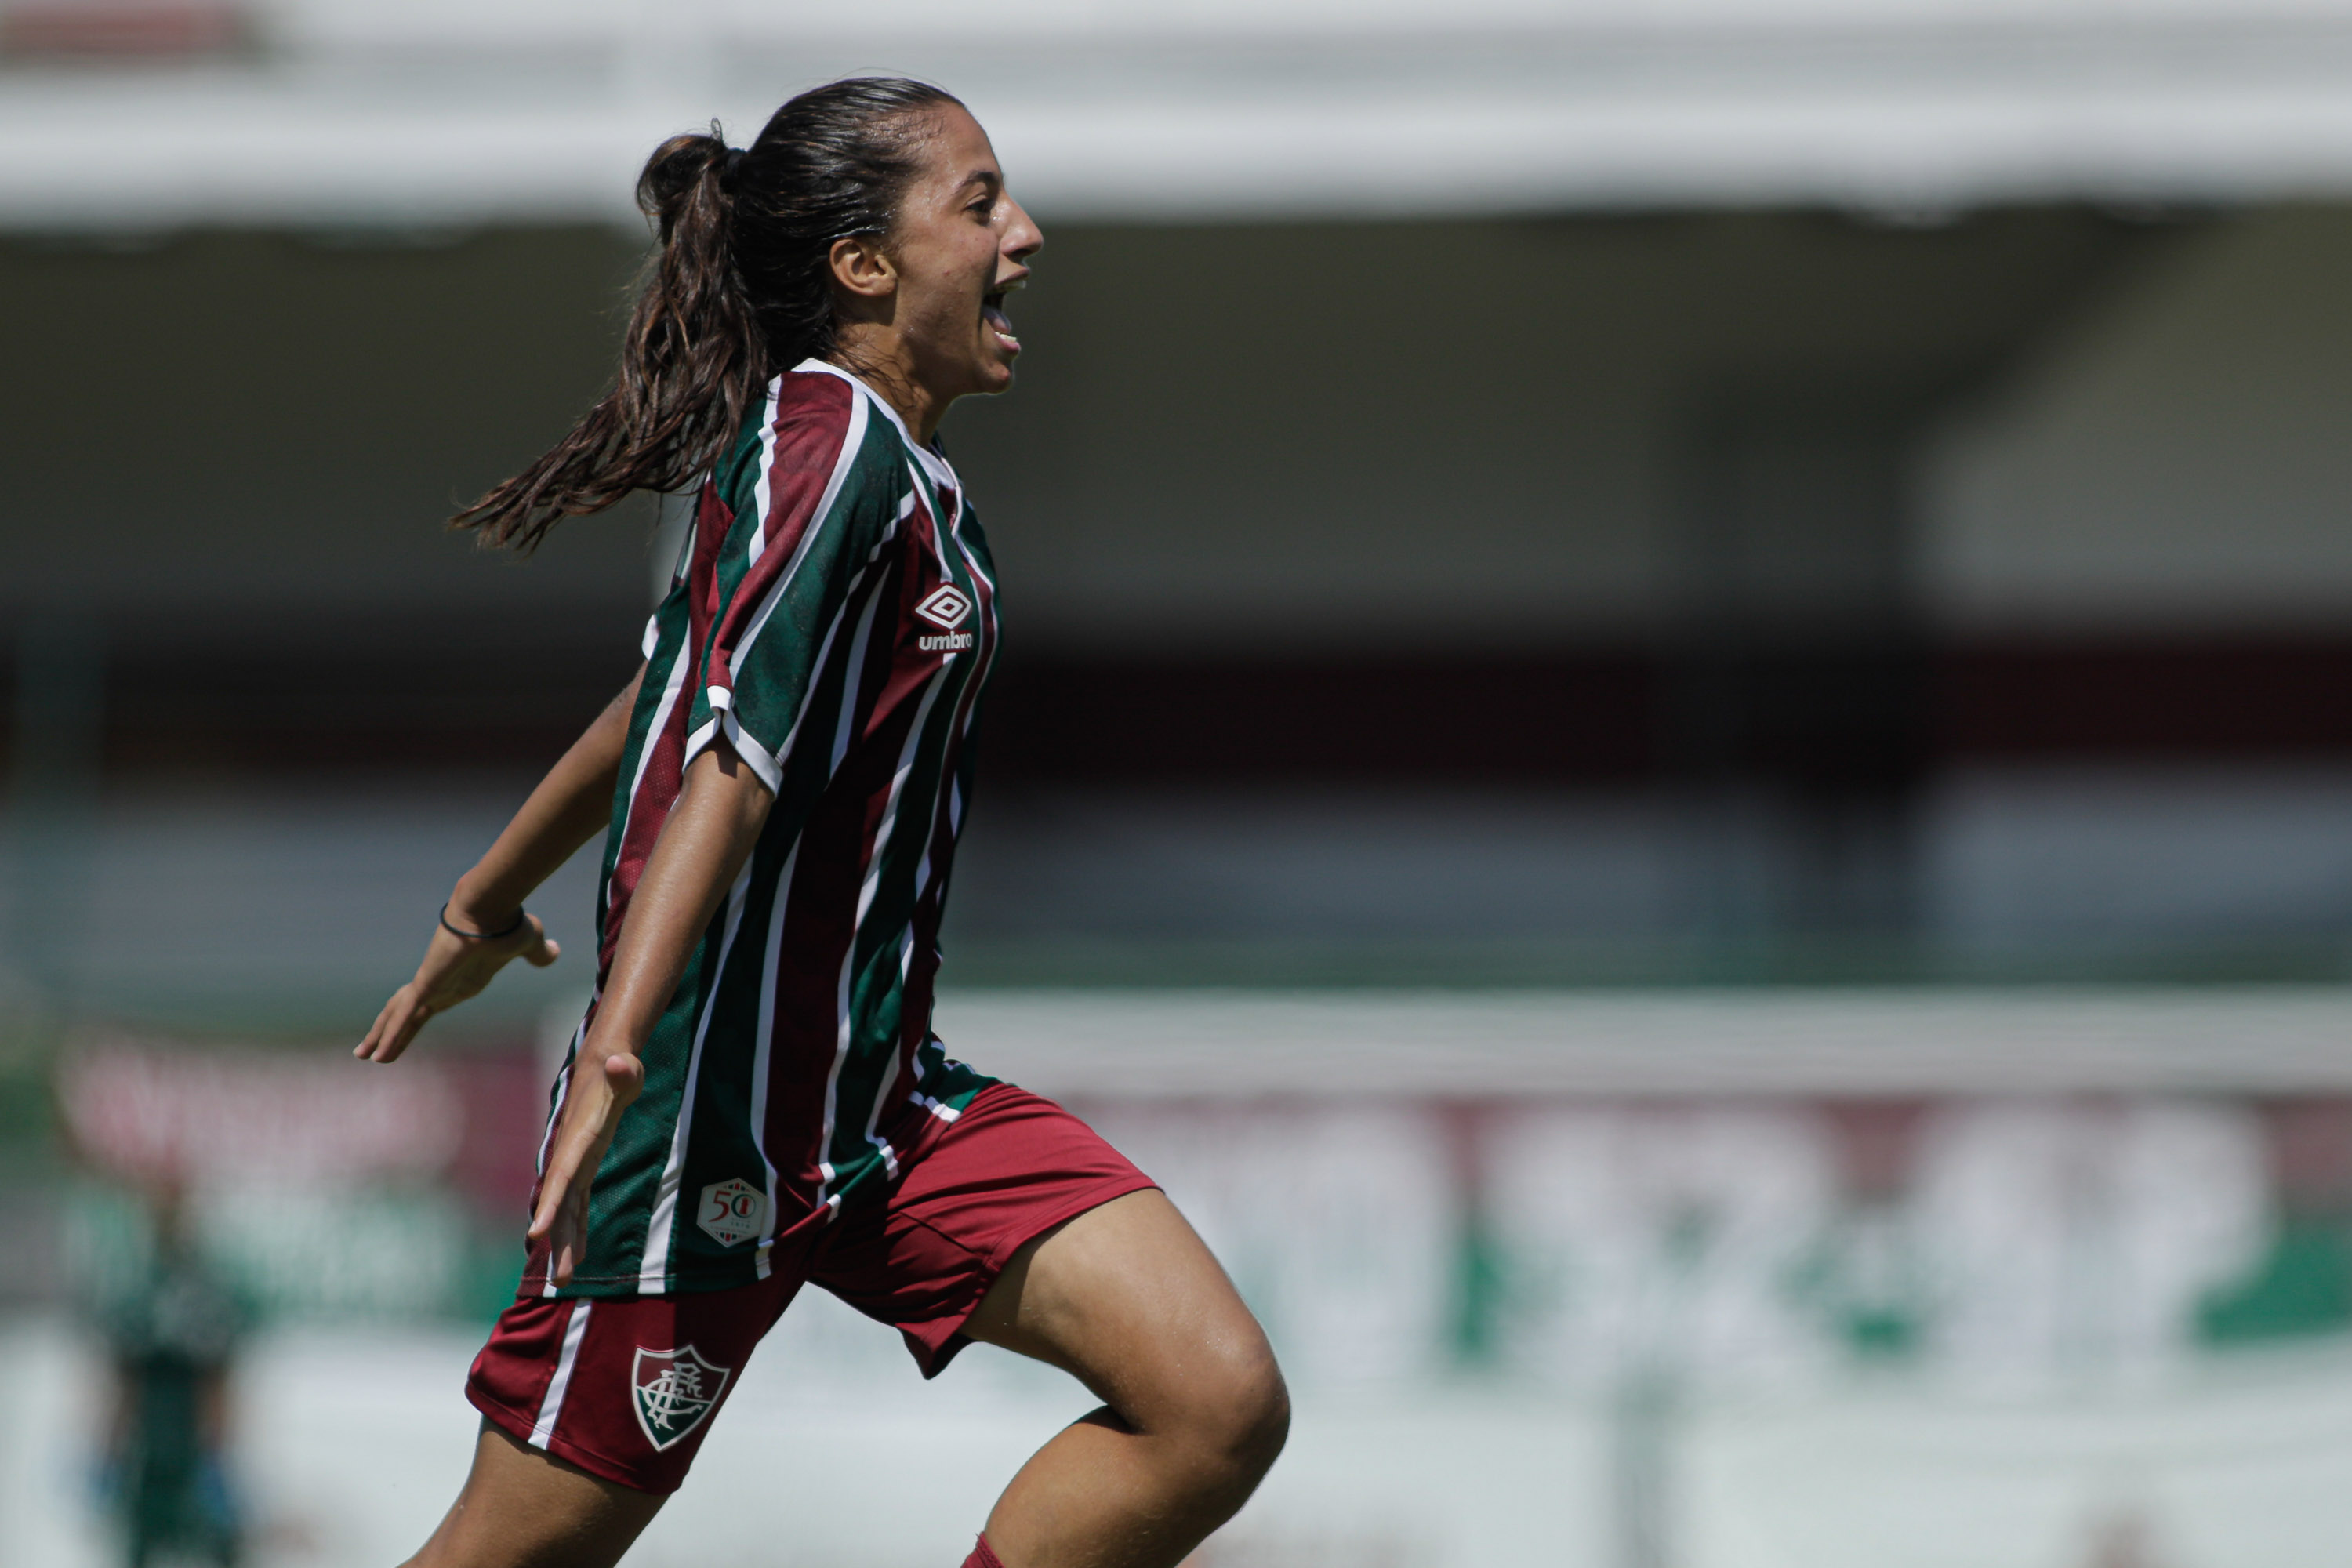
point(1130, 1300)
point(520, 1509)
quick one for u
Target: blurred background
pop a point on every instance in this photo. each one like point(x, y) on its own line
point(1675, 739)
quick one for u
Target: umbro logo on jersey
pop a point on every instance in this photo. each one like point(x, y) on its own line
point(945, 607)
point(672, 1391)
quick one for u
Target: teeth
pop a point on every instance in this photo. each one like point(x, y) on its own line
point(992, 311)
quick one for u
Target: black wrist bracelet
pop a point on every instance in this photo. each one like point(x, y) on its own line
point(520, 916)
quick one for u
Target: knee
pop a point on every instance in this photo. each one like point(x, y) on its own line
point(1238, 1411)
point(1263, 1406)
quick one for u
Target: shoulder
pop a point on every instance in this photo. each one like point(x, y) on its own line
point(810, 414)
point(811, 431)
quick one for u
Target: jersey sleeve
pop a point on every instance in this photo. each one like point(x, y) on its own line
point(817, 504)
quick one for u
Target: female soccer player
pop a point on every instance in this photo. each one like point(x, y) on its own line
point(755, 1098)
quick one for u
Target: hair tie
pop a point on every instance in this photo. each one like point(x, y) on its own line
point(728, 167)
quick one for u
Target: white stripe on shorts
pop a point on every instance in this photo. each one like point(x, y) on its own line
point(551, 1405)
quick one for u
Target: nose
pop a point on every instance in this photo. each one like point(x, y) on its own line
point(1022, 239)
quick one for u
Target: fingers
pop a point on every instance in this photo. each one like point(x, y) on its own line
point(540, 951)
point(563, 1228)
point(365, 1049)
point(394, 1026)
point(552, 1189)
point(561, 1221)
point(567, 1240)
point(589, 1119)
point(418, 1012)
point(453, 970)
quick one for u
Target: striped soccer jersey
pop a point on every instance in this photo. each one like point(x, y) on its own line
point(832, 618)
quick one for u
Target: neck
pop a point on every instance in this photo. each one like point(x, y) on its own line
point(874, 355)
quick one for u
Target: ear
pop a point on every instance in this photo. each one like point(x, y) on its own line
point(859, 267)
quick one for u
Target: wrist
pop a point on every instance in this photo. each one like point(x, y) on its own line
point(481, 908)
point(608, 1037)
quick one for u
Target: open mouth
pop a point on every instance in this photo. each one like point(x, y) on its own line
point(992, 311)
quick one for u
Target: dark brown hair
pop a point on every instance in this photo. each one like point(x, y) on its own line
point(741, 288)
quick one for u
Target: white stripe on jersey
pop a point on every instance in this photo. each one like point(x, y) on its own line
point(845, 724)
point(672, 686)
point(944, 1112)
point(653, 1274)
point(842, 1030)
point(762, 498)
point(547, 1140)
point(882, 833)
point(851, 441)
point(764, 1044)
point(768, 767)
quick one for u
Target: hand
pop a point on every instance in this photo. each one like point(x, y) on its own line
point(592, 1114)
point(455, 968)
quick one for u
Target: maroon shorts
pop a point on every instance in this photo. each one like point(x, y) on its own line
point(626, 1388)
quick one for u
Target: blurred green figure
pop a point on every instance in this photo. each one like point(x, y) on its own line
point(171, 1338)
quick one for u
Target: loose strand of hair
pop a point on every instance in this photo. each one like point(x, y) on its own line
point(690, 361)
point(738, 289)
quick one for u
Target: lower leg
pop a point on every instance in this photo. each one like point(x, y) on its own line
point(1126, 1298)
point(520, 1509)
point(1103, 1495)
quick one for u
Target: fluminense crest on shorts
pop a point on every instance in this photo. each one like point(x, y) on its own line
point(672, 1391)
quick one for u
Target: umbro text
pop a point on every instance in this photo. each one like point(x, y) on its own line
point(950, 642)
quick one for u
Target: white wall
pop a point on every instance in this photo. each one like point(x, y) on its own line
point(439, 111)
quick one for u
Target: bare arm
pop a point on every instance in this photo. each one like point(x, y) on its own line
point(702, 849)
point(570, 806)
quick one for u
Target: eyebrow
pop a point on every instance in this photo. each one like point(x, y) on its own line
point(982, 176)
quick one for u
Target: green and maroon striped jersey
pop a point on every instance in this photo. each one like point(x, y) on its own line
point(833, 619)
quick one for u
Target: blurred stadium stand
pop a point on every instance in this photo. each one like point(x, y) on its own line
point(1767, 477)
point(1500, 498)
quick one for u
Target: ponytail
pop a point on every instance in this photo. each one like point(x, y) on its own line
point(741, 288)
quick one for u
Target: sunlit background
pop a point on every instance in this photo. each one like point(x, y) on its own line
point(1676, 741)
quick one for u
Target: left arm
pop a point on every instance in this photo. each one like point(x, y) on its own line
point(569, 808)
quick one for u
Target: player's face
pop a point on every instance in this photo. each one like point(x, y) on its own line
point(960, 248)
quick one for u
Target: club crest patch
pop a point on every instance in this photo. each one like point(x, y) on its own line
point(672, 1391)
point(731, 1212)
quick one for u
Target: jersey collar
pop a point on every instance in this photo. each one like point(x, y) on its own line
point(934, 464)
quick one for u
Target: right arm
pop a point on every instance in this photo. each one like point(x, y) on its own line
point(571, 806)
point(722, 807)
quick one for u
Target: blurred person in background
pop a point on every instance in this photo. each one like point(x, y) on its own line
point(171, 1339)
point(755, 1097)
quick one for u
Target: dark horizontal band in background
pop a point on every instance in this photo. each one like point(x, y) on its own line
point(459, 694)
